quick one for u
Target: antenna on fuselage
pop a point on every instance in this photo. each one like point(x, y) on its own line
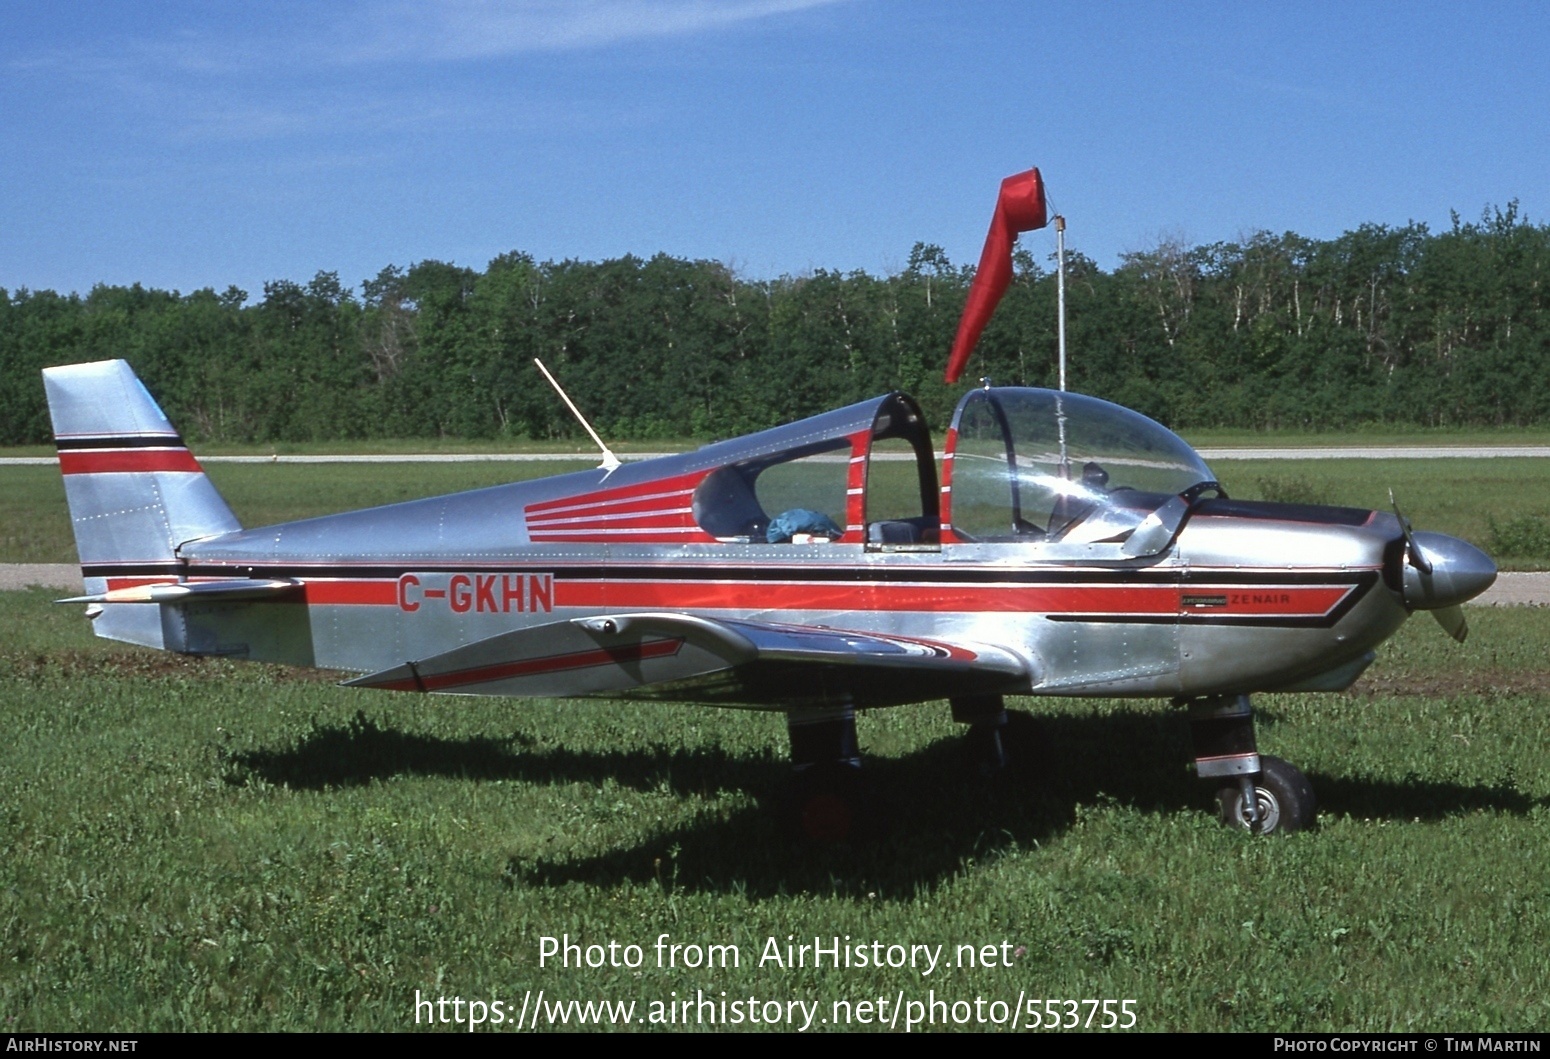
point(610, 461)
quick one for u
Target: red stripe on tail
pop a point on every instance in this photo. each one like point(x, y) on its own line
point(127, 461)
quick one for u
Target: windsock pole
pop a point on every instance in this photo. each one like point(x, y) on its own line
point(1060, 286)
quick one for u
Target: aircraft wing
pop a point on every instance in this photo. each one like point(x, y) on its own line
point(686, 658)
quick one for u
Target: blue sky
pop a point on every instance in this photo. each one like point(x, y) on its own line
point(186, 145)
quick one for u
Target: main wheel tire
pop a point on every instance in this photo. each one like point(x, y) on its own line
point(830, 804)
point(1282, 794)
point(1019, 745)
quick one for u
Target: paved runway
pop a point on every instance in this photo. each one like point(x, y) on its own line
point(1379, 452)
point(1510, 590)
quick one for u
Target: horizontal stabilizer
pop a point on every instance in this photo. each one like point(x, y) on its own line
point(187, 591)
point(722, 662)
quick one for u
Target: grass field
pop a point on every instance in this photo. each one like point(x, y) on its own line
point(197, 844)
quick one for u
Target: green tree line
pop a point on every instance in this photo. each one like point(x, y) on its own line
point(1395, 325)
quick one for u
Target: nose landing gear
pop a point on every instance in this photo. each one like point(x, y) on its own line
point(1263, 795)
point(1283, 800)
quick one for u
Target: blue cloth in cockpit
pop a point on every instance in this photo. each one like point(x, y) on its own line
point(788, 524)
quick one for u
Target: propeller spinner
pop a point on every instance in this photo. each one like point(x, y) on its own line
point(1439, 573)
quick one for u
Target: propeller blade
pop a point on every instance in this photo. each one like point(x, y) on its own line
point(1413, 553)
point(1452, 621)
point(1453, 572)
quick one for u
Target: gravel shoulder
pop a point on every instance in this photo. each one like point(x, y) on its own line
point(16, 576)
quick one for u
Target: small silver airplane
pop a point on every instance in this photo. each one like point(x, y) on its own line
point(1071, 547)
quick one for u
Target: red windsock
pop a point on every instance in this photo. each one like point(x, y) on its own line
point(1020, 208)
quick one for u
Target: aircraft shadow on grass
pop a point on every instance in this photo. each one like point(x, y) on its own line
point(934, 810)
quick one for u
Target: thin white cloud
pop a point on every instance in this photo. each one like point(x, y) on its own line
point(481, 29)
point(285, 78)
point(231, 117)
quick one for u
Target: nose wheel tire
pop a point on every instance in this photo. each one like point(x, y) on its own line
point(1283, 798)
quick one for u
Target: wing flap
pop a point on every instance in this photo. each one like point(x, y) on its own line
point(687, 658)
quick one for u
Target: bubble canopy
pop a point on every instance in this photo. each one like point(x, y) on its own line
point(1032, 465)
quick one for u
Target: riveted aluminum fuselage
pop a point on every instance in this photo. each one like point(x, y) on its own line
point(1209, 614)
point(1068, 533)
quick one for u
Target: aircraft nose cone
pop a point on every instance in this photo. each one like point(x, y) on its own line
point(1460, 572)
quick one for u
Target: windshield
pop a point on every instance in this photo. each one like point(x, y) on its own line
point(1043, 465)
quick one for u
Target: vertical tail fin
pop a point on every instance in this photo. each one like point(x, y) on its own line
point(135, 491)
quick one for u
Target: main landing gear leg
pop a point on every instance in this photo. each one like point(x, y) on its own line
point(828, 800)
point(998, 738)
point(1261, 794)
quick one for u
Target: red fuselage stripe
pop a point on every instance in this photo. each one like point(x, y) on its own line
point(1039, 599)
point(654, 535)
point(682, 484)
point(1140, 600)
point(679, 519)
point(582, 512)
point(361, 593)
point(676, 516)
point(116, 584)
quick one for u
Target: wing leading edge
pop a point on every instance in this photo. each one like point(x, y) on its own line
point(684, 658)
